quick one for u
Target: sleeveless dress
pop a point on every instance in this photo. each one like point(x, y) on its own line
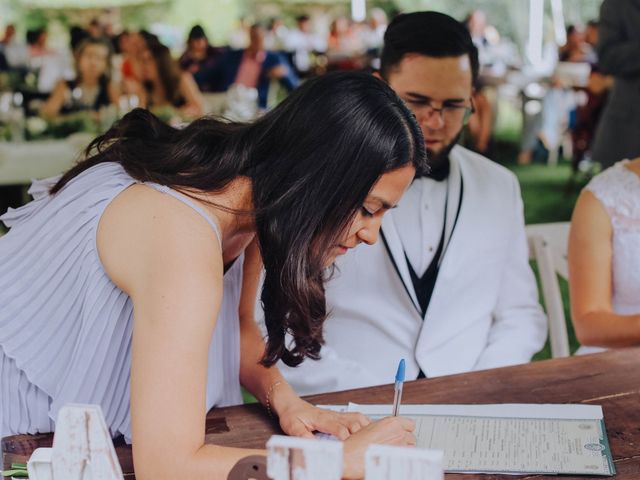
point(618, 190)
point(65, 328)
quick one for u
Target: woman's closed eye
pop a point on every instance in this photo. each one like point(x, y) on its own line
point(366, 212)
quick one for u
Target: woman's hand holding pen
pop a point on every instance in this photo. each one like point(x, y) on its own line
point(392, 430)
point(396, 431)
point(300, 418)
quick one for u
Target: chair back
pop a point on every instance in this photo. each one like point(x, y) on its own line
point(548, 244)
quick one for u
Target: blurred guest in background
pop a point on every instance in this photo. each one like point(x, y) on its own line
point(604, 259)
point(476, 23)
point(373, 32)
point(4, 65)
point(37, 43)
point(588, 116)
point(131, 46)
point(589, 112)
point(591, 39)
point(76, 35)
point(200, 54)
point(253, 67)
point(618, 53)
point(49, 65)
point(345, 46)
point(92, 88)
point(165, 84)
point(342, 38)
point(95, 29)
point(575, 49)
point(276, 35)
point(302, 43)
point(239, 37)
point(16, 53)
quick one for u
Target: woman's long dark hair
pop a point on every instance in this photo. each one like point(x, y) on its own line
point(312, 161)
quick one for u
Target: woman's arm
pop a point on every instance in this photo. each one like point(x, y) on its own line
point(54, 103)
point(194, 106)
point(253, 376)
point(166, 257)
point(590, 279)
point(296, 416)
point(113, 91)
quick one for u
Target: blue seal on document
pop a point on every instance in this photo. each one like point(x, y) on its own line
point(594, 447)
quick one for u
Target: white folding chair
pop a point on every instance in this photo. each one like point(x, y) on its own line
point(548, 247)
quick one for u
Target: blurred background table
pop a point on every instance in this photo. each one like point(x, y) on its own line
point(21, 162)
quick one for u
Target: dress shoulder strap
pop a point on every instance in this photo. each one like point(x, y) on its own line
point(190, 203)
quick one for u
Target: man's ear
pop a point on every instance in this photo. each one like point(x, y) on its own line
point(377, 75)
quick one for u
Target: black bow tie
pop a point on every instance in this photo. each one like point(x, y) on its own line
point(439, 173)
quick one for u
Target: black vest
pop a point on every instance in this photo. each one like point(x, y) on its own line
point(423, 286)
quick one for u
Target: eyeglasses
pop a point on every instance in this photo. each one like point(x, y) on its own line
point(449, 113)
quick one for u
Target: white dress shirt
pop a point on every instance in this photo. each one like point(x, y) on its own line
point(419, 219)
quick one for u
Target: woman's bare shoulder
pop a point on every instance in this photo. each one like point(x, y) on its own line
point(142, 226)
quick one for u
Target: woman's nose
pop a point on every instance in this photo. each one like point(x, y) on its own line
point(369, 232)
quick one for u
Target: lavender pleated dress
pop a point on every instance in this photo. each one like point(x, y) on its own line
point(65, 328)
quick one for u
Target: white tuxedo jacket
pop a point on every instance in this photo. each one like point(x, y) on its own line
point(484, 311)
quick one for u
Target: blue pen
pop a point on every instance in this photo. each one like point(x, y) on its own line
point(398, 388)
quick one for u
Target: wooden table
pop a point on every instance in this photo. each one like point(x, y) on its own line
point(610, 379)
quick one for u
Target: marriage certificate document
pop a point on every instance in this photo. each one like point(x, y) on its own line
point(511, 438)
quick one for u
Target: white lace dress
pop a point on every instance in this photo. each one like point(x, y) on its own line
point(618, 190)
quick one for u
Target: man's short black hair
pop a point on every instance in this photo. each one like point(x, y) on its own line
point(432, 34)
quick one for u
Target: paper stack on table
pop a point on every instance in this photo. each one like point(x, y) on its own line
point(510, 438)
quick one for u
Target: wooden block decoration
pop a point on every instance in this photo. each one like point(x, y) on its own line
point(290, 458)
point(39, 464)
point(384, 462)
point(82, 448)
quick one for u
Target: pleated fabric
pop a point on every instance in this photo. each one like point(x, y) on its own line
point(65, 328)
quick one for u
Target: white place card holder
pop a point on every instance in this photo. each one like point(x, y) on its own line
point(290, 458)
point(384, 462)
point(82, 448)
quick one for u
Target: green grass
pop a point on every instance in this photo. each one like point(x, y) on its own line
point(547, 193)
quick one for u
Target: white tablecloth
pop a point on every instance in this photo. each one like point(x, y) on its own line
point(21, 162)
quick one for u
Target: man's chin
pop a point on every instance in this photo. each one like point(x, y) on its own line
point(433, 153)
point(433, 145)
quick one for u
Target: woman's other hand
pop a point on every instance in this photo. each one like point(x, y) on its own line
point(301, 419)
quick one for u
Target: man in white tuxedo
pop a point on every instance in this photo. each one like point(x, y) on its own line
point(448, 286)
